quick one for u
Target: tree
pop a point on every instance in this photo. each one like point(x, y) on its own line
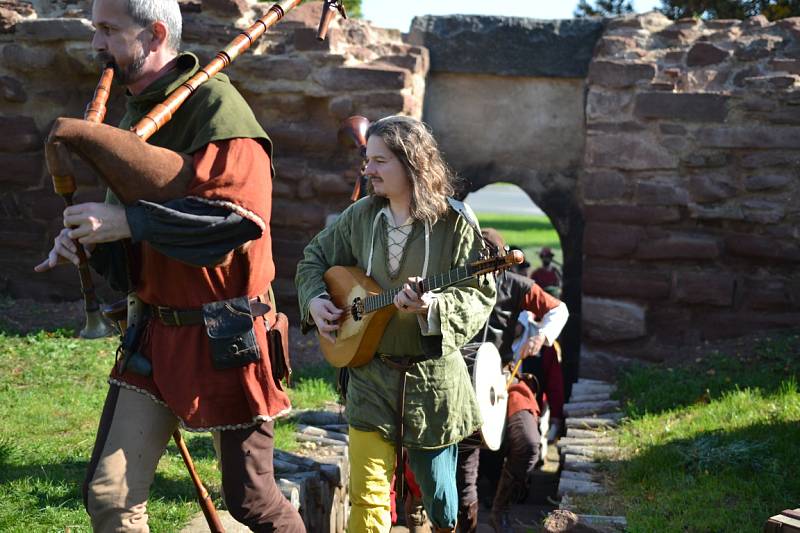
point(603, 8)
point(730, 9)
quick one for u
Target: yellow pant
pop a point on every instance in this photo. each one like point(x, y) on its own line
point(371, 468)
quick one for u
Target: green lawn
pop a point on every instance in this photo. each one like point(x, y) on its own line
point(713, 446)
point(51, 394)
point(529, 232)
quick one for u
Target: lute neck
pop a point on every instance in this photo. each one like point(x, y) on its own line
point(431, 283)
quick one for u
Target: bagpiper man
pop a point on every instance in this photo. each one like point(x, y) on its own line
point(200, 266)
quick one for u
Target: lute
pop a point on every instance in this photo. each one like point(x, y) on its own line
point(368, 308)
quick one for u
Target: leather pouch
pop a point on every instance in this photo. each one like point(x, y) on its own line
point(229, 325)
point(278, 337)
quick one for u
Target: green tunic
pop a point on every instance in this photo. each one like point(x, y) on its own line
point(440, 406)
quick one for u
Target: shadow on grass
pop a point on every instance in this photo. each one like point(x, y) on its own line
point(714, 481)
point(656, 389)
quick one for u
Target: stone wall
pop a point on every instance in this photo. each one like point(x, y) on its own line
point(690, 185)
point(299, 88)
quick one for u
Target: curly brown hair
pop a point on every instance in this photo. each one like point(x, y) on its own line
point(432, 181)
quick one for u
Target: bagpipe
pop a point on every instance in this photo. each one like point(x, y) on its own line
point(135, 170)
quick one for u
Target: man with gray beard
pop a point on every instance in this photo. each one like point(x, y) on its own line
point(200, 267)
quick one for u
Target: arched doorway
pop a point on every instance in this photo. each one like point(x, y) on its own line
point(534, 221)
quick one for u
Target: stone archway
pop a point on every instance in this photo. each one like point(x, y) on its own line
point(506, 100)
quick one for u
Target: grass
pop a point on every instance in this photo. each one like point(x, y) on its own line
point(529, 232)
point(51, 393)
point(713, 446)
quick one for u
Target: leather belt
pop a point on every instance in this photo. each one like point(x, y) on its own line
point(193, 317)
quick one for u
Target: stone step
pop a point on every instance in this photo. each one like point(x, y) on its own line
point(589, 451)
point(597, 441)
point(576, 409)
point(586, 433)
point(606, 420)
point(579, 463)
point(576, 486)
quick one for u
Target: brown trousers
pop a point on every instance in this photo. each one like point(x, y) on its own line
point(133, 434)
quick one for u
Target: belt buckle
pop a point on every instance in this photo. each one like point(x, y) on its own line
point(168, 315)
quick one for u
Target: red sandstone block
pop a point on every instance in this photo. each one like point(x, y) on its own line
point(682, 106)
point(363, 79)
point(762, 247)
point(679, 246)
point(610, 240)
point(19, 134)
point(659, 193)
point(617, 74)
point(603, 185)
point(626, 282)
point(708, 288)
point(298, 214)
point(22, 169)
point(712, 187)
point(703, 54)
point(771, 137)
point(631, 214)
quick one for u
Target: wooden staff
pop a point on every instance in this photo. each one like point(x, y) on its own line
point(206, 503)
point(64, 183)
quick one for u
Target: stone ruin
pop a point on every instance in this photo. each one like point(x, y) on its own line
point(665, 153)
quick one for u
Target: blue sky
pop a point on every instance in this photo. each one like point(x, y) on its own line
point(398, 13)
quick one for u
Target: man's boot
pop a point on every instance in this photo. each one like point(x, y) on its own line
point(453, 529)
point(500, 518)
point(468, 518)
point(416, 517)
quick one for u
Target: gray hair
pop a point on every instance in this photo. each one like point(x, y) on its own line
point(146, 12)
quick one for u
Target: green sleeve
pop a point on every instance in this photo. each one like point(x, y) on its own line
point(463, 309)
point(332, 246)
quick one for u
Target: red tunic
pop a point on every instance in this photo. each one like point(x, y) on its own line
point(520, 396)
point(234, 174)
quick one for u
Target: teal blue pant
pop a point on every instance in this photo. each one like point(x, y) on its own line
point(435, 473)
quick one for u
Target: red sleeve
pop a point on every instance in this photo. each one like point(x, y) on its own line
point(538, 302)
point(227, 173)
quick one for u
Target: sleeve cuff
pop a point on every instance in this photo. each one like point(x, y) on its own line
point(431, 324)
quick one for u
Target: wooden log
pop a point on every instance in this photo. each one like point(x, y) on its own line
point(584, 433)
point(573, 486)
point(579, 463)
point(319, 418)
point(580, 476)
point(319, 441)
point(599, 439)
point(577, 409)
point(319, 432)
point(304, 462)
point(607, 420)
point(617, 522)
point(285, 467)
point(591, 391)
point(587, 381)
point(596, 397)
point(589, 451)
point(341, 428)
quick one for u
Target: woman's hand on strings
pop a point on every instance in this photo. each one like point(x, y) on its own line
point(326, 317)
point(409, 301)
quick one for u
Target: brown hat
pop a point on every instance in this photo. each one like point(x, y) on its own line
point(546, 252)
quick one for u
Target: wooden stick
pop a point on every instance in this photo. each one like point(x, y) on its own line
point(206, 503)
